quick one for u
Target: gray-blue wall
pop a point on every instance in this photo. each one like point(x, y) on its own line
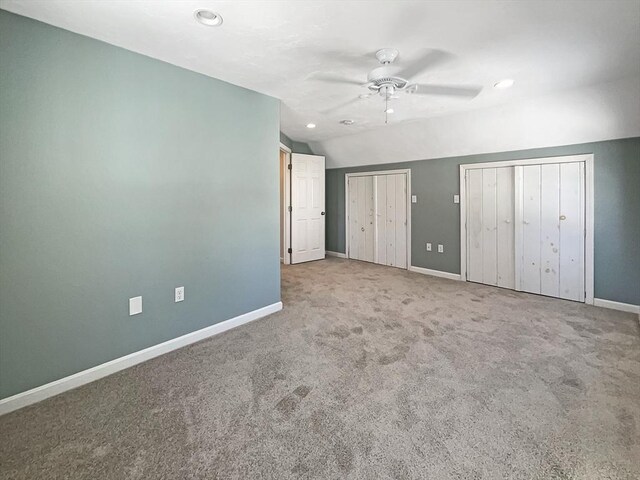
point(286, 140)
point(296, 147)
point(436, 219)
point(121, 175)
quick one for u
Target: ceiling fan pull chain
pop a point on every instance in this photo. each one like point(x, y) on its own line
point(386, 110)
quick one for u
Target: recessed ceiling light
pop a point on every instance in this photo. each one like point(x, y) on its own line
point(208, 18)
point(506, 83)
point(311, 125)
point(389, 110)
point(347, 121)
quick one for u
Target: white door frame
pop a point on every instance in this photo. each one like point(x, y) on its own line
point(407, 172)
point(587, 159)
point(286, 228)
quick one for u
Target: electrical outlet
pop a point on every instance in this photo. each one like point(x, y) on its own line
point(456, 199)
point(428, 247)
point(135, 306)
point(414, 199)
point(440, 248)
point(179, 294)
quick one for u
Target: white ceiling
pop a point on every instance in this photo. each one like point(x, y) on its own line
point(279, 47)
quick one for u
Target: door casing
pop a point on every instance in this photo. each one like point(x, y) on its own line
point(407, 172)
point(589, 209)
point(285, 227)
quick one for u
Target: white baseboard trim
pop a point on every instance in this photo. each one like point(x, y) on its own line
point(435, 273)
point(56, 387)
point(623, 307)
point(336, 254)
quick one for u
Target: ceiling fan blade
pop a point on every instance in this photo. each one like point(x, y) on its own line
point(329, 78)
point(447, 90)
point(428, 59)
point(340, 107)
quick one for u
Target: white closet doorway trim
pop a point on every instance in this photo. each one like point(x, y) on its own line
point(354, 176)
point(285, 202)
point(587, 160)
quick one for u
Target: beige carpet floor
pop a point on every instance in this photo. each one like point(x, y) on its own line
point(369, 372)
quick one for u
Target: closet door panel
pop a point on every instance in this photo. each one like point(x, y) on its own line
point(369, 240)
point(505, 199)
point(474, 226)
point(391, 222)
point(530, 269)
point(362, 216)
point(489, 228)
point(354, 226)
point(572, 231)
point(381, 219)
point(550, 229)
point(401, 220)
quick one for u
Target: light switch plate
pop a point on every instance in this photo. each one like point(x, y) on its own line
point(428, 247)
point(456, 199)
point(414, 199)
point(135, 306)
point(179, 294)
point(440, 248)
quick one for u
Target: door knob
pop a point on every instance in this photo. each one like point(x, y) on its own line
point(362, 228)
point(321, 213)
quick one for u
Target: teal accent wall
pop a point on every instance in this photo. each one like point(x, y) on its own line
point(436, 219)
point(296, 147)
point(286, 140)
point(301, 147)
point(121, 175)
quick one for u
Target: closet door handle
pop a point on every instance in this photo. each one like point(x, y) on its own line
point(321, 213)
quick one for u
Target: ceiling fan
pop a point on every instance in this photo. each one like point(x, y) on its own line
point(389, 80)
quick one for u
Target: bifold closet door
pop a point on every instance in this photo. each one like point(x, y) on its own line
point(361, 218)
point(490, 231)
point(391, 220)
point(551, 236)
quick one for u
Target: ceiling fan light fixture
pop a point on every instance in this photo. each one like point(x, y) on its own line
point(208, 18)
point(505, 83)
point(311, 125)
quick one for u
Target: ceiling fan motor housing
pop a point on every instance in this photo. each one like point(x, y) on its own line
point(382, 80)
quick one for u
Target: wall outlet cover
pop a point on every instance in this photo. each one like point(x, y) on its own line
point(135, 306)
point(414, 199)
point(428, 247)
point(179, 294)
point(456, 199)
point(440, 248)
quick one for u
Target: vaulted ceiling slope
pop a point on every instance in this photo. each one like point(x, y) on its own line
point(288, 49)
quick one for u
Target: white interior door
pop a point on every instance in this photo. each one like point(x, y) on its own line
point(307, 208)
point(552, 230)
point(490, 226)
point(361, 218)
